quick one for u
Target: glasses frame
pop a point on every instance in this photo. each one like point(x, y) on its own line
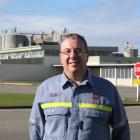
point(77, 51)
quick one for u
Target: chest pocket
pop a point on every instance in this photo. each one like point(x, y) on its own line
point(55, 126)
point(94, 119)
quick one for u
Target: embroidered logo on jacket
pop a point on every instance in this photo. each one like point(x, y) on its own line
point(96, 98)
point(55, 94)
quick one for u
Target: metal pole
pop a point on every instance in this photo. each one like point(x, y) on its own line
point(138, 90)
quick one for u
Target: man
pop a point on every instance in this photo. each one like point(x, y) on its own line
point(77, 105)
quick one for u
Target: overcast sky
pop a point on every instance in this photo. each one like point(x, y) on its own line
point(101, 22)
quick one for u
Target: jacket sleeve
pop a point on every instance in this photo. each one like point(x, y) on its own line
point(36, 121)
point(119, 122)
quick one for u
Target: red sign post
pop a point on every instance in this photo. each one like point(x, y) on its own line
point(137, 74)
point(137, 69)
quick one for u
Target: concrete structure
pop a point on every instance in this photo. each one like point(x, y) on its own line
point(28, 57)
point(118, 74)
point(14, 40)
point(129, 51)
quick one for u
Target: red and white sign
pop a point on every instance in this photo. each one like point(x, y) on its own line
point(137, 69)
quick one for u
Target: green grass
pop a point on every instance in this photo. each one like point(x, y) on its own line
point(14, 99)
point(18, 99)
point(131, 101)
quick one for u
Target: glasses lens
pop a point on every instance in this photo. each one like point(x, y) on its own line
point(77, 51)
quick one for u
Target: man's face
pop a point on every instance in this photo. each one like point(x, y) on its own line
point(73, 56)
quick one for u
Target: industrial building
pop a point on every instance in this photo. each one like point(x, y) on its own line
point(29, 57)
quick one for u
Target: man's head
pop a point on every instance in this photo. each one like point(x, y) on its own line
point(74, 54)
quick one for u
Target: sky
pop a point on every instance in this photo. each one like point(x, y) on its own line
point(101, 22)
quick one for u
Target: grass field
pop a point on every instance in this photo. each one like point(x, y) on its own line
point(15, 99)
point(131, 101)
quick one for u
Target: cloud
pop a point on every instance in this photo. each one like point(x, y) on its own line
point(32, 23)
point(108, 23)
point(95, 32)
point(2, 2)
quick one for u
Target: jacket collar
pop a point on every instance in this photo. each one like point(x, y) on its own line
point(65, 82)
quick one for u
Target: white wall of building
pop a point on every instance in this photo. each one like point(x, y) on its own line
point(29, 72)
point(121, 82)
point(16, 72)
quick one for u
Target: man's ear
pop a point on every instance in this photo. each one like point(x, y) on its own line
point(87, 57)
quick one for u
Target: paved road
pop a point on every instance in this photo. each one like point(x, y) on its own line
point(129, 92)
point(5, 88)
point(14, 123)
point(124, 91)
point(133, 113)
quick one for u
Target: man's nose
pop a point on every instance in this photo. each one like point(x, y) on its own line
point(72, 53)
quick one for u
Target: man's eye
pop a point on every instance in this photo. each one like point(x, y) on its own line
point(77, 50)
point(67, 51)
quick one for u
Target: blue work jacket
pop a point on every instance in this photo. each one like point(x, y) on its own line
point(90, 111)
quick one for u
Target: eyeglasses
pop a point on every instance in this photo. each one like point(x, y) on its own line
point(77, 51)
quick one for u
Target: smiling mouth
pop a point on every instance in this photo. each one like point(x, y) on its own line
point(74, 63)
